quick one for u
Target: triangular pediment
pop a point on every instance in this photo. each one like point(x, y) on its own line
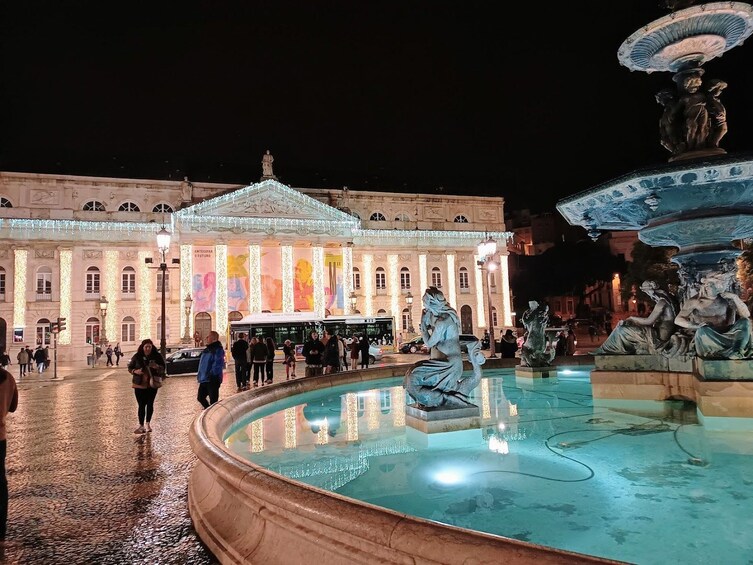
point(268, 199)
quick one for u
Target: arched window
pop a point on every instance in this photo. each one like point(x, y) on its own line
point(466, 319)
point(463, 278)
point(381, 279)
point(92, 330)
point(460, 219)
point(163, 208)
point(402, 217)
point(128, 282)
point(405, 278)
point(356, 278)
point(355, 215)
point(43, 332)
point(405, 319)
point(2, 283)
point(5, 203)
point(493, 282)
point(128, 330)
point(94, 206)
point(92, 282)
point(129, 207)
point(381, 312)
point(377, 217)
point(158, 333)
point(436, 277)
point(44, 283)
point(234, 316)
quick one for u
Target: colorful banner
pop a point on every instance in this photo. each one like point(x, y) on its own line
point(303, 281)
point(271, 279)
point(333, 282)
point(204, 279)
point(237, 279)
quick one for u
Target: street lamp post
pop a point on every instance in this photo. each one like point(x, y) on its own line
point(163, 244)
point(103, 312)
point(187, 302)
point(409, 302)
point(486, 251)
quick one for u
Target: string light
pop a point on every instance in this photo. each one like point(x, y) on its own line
point(318, 276)
point(72, 230)
point(257, 436)
point(394, 285)
point(288, 300)
point(479, 282)
point(110, 286)
point(347, 285)
point(220, 268)
point(425, 238)
point(322, 436)
point(20, 256)
point(505, 276)
point(66, 298)
point(451, 295)
point(291, 439)
point(368, 285)
point(254, 273)
point(145, 296)
point(398, 406)
point(486, 411)
point(351, 414)
point(372, 409)
point(186, 269)
point(422, 274)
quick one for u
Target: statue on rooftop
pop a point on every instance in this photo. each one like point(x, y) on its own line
point(534, 352)
point(438, 382)
point(266, 166)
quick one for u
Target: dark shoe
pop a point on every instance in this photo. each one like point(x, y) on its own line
point(269, 381)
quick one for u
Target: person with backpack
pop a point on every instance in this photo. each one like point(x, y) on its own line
point(238, 351)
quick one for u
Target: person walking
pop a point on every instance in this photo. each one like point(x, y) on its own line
point(343, 353)
point(288, 350)
point(238, 351)
point(109, 351)
point(259, 360)
point(144, 361)
point(271, 347)
point(331, 356)
point(39, 359)
point(365, 346)
point(8, 403)
point(23, 361)
point(46, 357)
point(30, 362)
point(312, 351)
point(355, 351)
point(97, 355)
point(211, 368)
point(118, 353)
point(5, 359)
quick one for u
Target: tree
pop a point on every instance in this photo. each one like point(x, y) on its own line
point(745, 266)
point(650, 263)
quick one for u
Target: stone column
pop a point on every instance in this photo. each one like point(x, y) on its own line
point(504, 275)
point(144, 293)
point(111, 290)
point(423, 277)
point(288, 301)
point(65, 258)
point(451, 294)
point(347, 253)
point(20, 261)
point(480, 288)
point(393, 278)
point(317, 259)
point(254, 274)
point(367, 281)
point(186, 273)
point(220, 308)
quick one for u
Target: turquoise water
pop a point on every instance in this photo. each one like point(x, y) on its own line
point(547, 466)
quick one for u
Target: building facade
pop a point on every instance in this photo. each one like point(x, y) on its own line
point(67, 242)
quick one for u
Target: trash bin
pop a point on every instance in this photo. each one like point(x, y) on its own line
point(89, 360)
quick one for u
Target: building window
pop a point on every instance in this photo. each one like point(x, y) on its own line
point(94, 206)
point(377, 217)
point(2, 283)
point(463, 278)
point(405, 319)
point(5, 203)
point(43, 332)
point(92, 282)
point(128, 281)
point(163, 208)
point(381, 312)
point(494, 317)
point(402, 218)
point(405, 278)
point(493, 280)
point(128, 329)
point(381, 279)
point(129, 207)
point(159, 281)
point(436, 277)
point(386, 400)
point(356, 278)
point(92, 330)
point(44, 283)
point(158, 333)
point(460, 219)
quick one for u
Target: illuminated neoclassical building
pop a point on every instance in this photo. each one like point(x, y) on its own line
point(69, 241)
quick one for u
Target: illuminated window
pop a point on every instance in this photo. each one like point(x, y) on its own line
point(2, 283)
point(92, 282)
point(44, 337)
point(159, 281)
point(463, 278)
point(94, 206)
point(377, 217)
point(163, 208)
point(92, 330)
point(436, 277)
point(406, 319)
point(5, 203)
point(404, 278)
point(356, 278)
point(44, 283)
point(460, 219)
point(402, 218)
point(128, 329)
point(129, 207)
point(128, 281)
point(381, 279)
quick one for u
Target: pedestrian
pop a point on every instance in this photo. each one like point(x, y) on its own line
point(288, 350)
point(508, 345)
point(399, 340)
point(271, 347)
point(8, 403)
point(39, 359)
point(312, 351)
point(145, 361)
point(97, 354)
point(30, 362)
point(23, 361)
point(343, 353)
point(46, 357)
point(365, 346)
point(118, 353)
point(238, 351)
point(5, 359)
point(259, 360)
point(211, 368)
point(331, 356)
point(108, 352)
point(355, 351)
point(570, 343)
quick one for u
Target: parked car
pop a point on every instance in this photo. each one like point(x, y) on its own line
point(465, 339)
point(415, 345)
point(183, 361)
point(375, 352)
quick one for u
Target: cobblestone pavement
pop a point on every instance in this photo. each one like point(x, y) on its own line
point(84, 488)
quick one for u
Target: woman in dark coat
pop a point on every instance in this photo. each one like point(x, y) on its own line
point(145, 360)
point(365, 345)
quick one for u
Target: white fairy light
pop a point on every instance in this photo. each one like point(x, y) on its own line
point(288, 300)
point(486, 411)
point(423, 275)
point(291, 439)
point(144, 291)
point(110, 286)
point(451, 293)
point(322, 436)
point(347, 285)
point(20, 257)
point(254, 273)
point(186, 268)
point(394, 278)
point(398, 406)
point(317, 274)
point(220, 268)
point(257, 436)
point(372, 409)
point(368, 285)
point(478, 276)
point(351, 414)
point(505, 276)
point(66, 298)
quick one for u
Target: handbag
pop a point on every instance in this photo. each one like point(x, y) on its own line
point(136, 379)
point(156, 376)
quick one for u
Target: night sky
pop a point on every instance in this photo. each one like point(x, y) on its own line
point(474, 97)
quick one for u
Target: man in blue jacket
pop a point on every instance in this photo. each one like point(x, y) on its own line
point(211, 368)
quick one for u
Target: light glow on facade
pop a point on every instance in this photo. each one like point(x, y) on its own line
point(347, 252)
point(20, 257)
point(220, 261)
point(451, 294)
point(254, 273)
point(368, 284)
point(288, 302)
point(423, 276)
point(66, 298)
point(394, 278)
point(506, 305)
point(110, 282)
point(317, 257)
point(144, 292)
point(186, 272)
point(478, 274)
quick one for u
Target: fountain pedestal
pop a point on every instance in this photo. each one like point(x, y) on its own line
point(522, 371)
point(438, 420)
